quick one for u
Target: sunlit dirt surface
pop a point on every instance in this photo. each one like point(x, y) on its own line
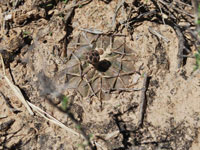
point(104, 100)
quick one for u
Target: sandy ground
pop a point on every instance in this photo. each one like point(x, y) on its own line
point(103, 105)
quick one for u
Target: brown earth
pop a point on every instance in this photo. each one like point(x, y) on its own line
point(44, 44)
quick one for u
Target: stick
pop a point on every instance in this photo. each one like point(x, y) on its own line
point(93, 31)
point(178, 1)
point(180, 45)
point(143, 102)
point(67, 19)
point(175, 8)
point(195, 5)
point(122, 90)
point(161, 14)
point(160, 36)
point(120, 4)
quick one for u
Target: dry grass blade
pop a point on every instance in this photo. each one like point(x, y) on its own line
point(29, 105)
point(3, 66)
point(18, 93)
point(15, 89)
point(52, 119)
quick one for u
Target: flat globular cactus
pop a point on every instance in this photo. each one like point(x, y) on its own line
point(99, 67)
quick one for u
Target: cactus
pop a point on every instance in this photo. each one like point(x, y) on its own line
point(97, 69)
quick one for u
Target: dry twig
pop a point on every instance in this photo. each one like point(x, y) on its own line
point(143, 102)
point(67, 20)
point(160, 36)
point(122, 90)
point(180, 46)
point(195, 5)
point(169, 5)
point(93, 31)
point(120, 4)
